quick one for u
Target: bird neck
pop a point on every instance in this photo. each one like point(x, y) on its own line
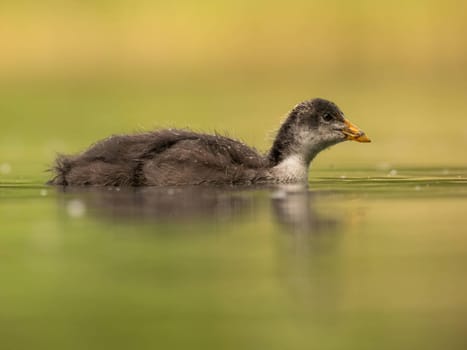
point(281, 147)
point(293, 168)
point(292, 152)
point(293, 143)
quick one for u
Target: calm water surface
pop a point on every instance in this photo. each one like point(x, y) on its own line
point(359, 260)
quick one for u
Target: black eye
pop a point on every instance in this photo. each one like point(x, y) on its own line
point(327, 117)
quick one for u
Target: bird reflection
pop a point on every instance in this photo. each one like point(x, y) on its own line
point(293, 207)
point(159, 204)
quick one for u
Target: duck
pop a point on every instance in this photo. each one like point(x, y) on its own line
point(173, 157)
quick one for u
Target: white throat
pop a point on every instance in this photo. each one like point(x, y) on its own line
point(292, 169)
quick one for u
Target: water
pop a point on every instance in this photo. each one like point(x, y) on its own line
point(362, 259)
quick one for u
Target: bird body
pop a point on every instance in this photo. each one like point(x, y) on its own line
point(170, 157)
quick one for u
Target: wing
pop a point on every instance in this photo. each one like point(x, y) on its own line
point(122, 160)
point(215, 160)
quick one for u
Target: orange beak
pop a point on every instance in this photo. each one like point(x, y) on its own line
point(352, 132)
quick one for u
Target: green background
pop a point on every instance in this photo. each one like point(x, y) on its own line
point(72, 72)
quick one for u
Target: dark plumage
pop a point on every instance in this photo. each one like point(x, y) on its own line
point(182, 157)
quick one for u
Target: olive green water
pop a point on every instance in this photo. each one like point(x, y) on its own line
point(362, 259)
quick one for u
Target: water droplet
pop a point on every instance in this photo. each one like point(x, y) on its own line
point(43, 192)
point(5, 168)
point(76, 208)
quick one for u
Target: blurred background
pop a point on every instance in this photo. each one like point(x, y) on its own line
point(75, 71)
point(361, 261)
